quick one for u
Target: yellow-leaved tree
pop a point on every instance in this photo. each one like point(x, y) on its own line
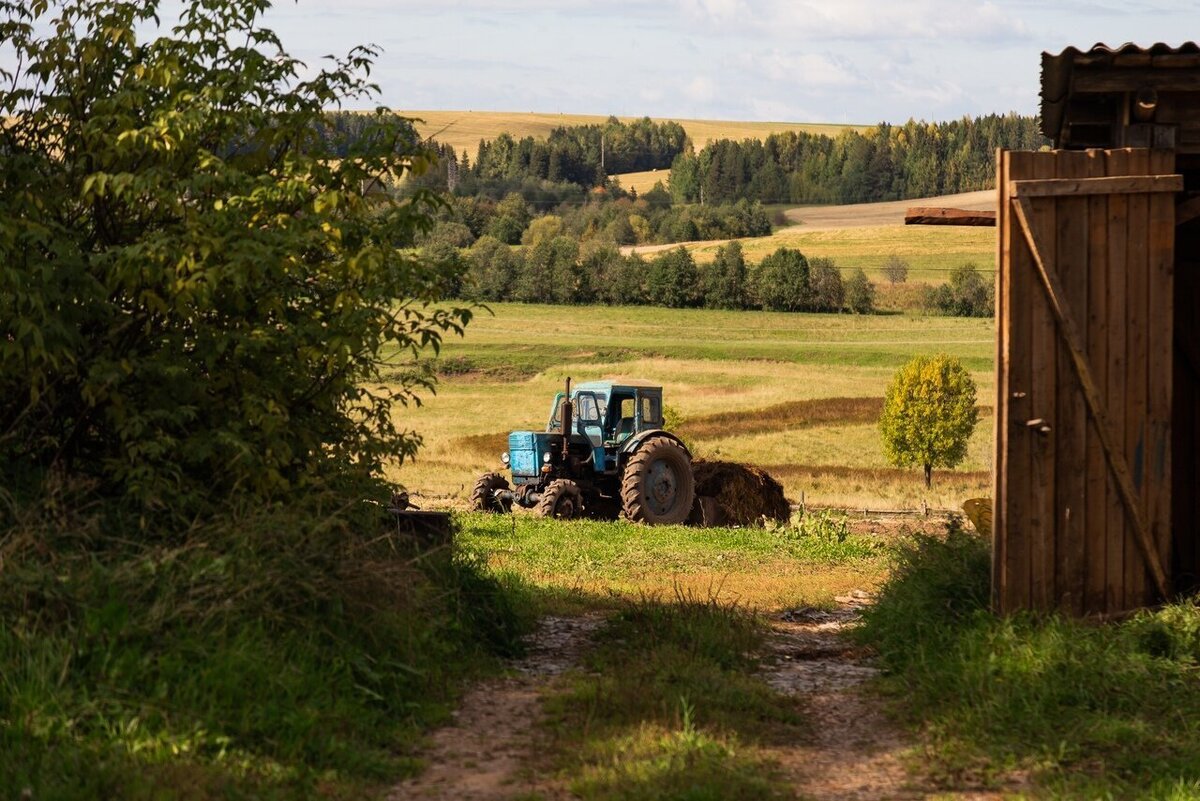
point(929, 414)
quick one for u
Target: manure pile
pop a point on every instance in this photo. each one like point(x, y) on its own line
point(744, 495)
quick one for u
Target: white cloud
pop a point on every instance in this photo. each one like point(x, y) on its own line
point(809, 69)
point(920, 20)
point(718, 12)
point(700, 89)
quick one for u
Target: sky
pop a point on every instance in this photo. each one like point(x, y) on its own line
point(842, 61)
point(838, 61)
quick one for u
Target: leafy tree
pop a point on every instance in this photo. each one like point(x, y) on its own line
point(673, 280)
point(860, 293)
point(929, 414)
point(895, 269)
point(781, 281)
point(543, 228)
point(725, 280)
point(194, 296)
point(510, 220)
point(828, 291)
point(492, 269)
point(453, 234)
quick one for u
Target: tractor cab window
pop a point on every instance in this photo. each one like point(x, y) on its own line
point(651, 410)
point(625, 422)
point(586, 409)
point(555, 423)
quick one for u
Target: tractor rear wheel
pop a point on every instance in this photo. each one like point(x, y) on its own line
point(483, 497)
point(658, 485)
point(562, 499)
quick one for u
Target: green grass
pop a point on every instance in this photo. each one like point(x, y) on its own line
point(669, 708)
point(931, 251)
point(1082, 710)
point(271, 653)
point(811, 561)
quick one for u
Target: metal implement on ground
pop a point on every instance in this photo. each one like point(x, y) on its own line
point(604, 453)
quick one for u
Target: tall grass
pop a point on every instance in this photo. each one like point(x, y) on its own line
point(261, 654)
point(1083, 710)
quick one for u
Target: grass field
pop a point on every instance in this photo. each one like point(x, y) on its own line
point(464, 129)
point(584, 563)
point(756, 366)
point(932, 251)
point(643, 182)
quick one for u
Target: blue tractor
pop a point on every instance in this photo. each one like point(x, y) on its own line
point(604, 453)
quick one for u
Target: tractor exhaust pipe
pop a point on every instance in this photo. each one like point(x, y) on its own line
point(568, 411)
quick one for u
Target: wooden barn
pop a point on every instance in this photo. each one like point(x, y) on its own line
point(1097, 483)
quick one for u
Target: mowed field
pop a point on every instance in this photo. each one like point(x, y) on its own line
point(464, 129)
point(797, 394)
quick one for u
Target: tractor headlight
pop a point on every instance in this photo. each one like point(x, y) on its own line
point(504, 458)
point(546, 457)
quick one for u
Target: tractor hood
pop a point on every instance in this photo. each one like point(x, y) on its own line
point(527, 452)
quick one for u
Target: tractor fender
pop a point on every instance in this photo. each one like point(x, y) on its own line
point(631, 445)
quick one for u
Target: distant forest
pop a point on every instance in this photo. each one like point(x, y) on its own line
point(887, 162)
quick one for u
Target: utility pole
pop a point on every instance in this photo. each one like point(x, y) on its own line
point(451, 171)
point(602, 155)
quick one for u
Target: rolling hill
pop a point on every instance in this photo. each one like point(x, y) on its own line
point(464, 129)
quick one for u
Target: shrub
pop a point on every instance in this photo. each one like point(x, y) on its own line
point(860, 293)
point(966, 295)
point(213, 313)
point(895, 269)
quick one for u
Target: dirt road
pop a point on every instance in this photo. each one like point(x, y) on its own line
point(854, 753)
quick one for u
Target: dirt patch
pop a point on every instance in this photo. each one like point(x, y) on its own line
point(479, 756)
point(855, 753)
point(784, 417)
point(745, 495)
point(875, 475)
point(486, 445)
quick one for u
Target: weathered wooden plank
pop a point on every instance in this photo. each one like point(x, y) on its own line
point(1000, 418)
point(1111, 185)
point(1096, 470)
point(1131, 80)
point(1136, 375)
point(1025, 215)
point(1018, 344)
point(1044, 355)
point(1070, 262)
point(1118, 236)
point(932, 215)
point(1161, 258)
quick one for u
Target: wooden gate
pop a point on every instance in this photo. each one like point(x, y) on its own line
point(1084, 307)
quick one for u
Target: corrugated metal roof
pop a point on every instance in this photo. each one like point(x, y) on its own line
point(1057, 69)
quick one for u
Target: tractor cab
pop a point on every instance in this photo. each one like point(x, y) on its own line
point(606, 415)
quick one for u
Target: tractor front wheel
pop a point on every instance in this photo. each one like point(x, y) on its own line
point(562, 499)
point(483, 497)
point(658, 485)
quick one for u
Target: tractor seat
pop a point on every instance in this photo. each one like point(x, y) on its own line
point(624, 429)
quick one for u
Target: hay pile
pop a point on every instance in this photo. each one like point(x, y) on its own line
point(744, 495)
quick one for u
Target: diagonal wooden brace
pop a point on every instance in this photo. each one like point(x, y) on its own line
point(1116, 460)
